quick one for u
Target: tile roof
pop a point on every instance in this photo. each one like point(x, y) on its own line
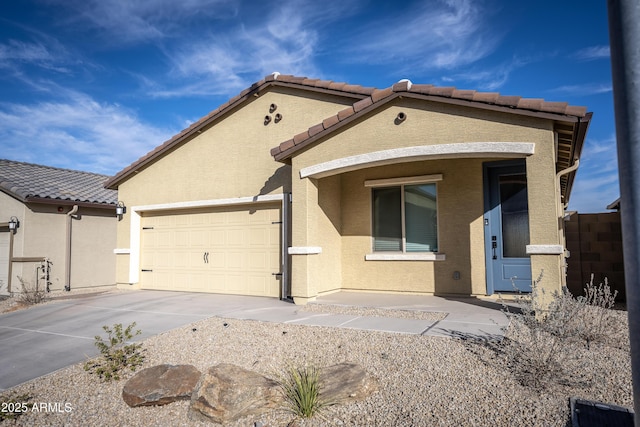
point(28, 182)
point(487, 100)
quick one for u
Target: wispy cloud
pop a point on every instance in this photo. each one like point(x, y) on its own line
point(43, 52)
point(76, 131)
point(597, 182)
point(583, 90)
point(492, 78)
point(285, 40)
point(136, 21)
point(592, 53)
point(439, 35)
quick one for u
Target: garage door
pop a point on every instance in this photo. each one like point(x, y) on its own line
point(4, 263)
point(230, 250)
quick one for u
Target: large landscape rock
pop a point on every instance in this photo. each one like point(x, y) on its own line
point(227, 392)
point(160, 385)
point(345, 382)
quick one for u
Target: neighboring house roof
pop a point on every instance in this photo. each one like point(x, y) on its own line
point(615, 204)
point(28, 182)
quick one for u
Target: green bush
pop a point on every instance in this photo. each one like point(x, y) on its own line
point(116, 353)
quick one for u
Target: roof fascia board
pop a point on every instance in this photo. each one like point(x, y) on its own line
point(578, 143)
point(62, 202)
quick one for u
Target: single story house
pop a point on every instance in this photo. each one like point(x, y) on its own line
point(300, 187)
point(57, 228)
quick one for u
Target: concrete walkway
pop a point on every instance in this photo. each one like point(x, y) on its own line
point(48, 337)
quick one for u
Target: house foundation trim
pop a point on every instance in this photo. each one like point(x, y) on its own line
point(545, 250)
point(304, 250)
point(135, 215)
point(422, 152)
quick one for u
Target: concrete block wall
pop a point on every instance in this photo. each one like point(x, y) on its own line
point(595, 244)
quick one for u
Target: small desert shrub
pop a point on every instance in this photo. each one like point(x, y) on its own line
point(549, 343)
point(301, 389)
point(31, 294)
point(116, 354)
point(12, 406)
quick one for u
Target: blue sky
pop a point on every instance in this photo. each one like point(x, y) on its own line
point(95, 84)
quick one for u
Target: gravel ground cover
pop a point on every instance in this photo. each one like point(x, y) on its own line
point(423, 381)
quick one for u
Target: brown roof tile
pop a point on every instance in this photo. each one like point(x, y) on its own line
point(509, 101)
point(378, 95)
point(337, 85)
point(343, 114)
point(314, 130)
point(554, 107)
point(300, 137)
point(362, 104)
point(401, 86)
point(330, 121)
point(421, 88)
point(530, 103)
point(441, 91)
point(488, 97)
point(463, 94)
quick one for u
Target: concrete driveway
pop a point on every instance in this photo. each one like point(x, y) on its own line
point(48, 337)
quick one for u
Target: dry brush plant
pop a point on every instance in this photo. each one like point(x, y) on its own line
point(31, 294)
point(549, 342)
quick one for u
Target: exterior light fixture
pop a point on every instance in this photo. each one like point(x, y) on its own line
point(13, 224)
point(121, 209)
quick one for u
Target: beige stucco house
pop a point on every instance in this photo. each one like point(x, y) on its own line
point(300, 187)
point(57, 228)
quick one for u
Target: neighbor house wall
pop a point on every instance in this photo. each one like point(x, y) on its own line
point(42, 234)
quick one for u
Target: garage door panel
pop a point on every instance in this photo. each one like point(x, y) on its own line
point(232, 251)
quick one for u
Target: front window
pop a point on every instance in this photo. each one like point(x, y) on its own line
point(405, 218)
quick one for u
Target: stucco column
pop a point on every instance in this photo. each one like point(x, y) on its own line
point(303, 249)
point(543, 219)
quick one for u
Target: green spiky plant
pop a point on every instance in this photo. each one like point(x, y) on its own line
point(301, 389)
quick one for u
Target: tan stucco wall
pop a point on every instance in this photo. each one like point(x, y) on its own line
point(228, 160)
point(460, 232)
point(460, 201)
point(42, 233)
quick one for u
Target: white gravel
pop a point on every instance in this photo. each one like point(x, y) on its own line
point(423, 381)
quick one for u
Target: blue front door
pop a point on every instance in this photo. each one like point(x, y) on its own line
point(506, 221)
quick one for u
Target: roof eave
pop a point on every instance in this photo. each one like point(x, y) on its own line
point(68, 202)
point(581, 134)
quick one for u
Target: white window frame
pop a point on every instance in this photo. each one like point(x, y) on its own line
point(404, 255)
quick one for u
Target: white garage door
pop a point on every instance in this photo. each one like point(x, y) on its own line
point(4, 263)
point(227, 250)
